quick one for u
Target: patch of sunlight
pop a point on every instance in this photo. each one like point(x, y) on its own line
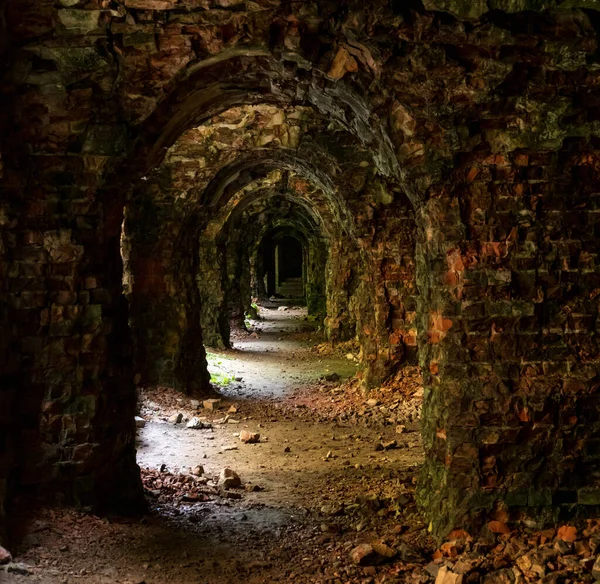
point(219, 375)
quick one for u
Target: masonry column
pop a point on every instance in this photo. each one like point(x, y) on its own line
point(509, 346)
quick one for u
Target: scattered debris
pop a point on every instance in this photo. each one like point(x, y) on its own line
point(176, 418)
point(198, 424)
point(229, 479)
point(249, 437)
point(211, 404)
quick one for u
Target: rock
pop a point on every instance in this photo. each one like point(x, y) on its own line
point(232, 421)
point(176, 418)
point(198, 470)
point(19, 569)
point(498, 527)
point(229, 479)
point(343, 63)
point(383, 550)
point(372, 402)
point(139, 422)
point(282, 308)
point(400, 429)
point(449, 549)
point(249, 437)
point(5, 556)
point(362, 555)
point(332, 377)
point(197, 424)
point(211, 404)
point(446, 576)
point(287, 449)
point(232, 410)
point(366, 554)
point(194, 404)
point(409, 554)
point(567, 533)
point(389, 445)
point(596, 569)
point(432, 569)
point(332, 509)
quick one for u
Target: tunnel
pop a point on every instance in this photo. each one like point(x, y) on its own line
point(350, 251)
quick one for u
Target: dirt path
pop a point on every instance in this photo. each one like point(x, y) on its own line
point(313, 486)
point(276, 359)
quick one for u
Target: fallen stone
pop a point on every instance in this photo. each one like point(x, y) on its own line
point(389, 445)
point(139, 422)
point(332, 509)
point(449, 549)
point(432, 569)
point(211, 404)
point(197, 424)
point(176, 418)
point(372, 402)
point(383, 550)
point(198, 470)
point(362, 555)
point(567, 533)
point(409, 553)
point(19, 569)
point(5, 556)
point(194, 404)
point(446, 576)
point(229, 479)
point(596, 569)
point(232, 410)
point(498, 527)
point(232, 421)
point(249, 437)
point(333, 377)
point(282, 308)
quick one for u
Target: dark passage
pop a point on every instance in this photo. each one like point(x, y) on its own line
point(409, 189)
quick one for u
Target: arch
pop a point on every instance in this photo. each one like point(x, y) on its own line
point(253, 76)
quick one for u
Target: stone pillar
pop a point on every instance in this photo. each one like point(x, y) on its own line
point(211, 282)
point(509, 346)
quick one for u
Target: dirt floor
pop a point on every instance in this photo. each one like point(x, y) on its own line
point(325, 494)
